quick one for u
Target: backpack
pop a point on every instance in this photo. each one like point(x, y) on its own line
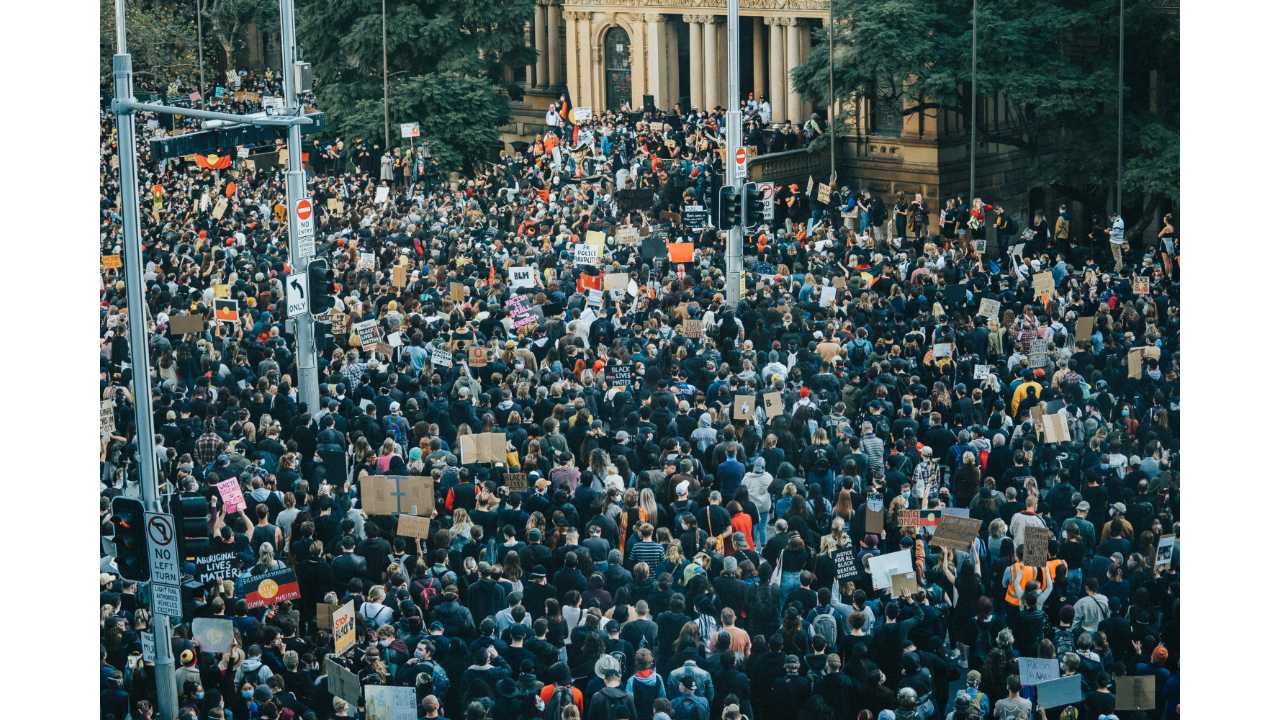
point(825, 624)
point(391, 425)
point(616, 707)
point(1064, 641)
point(560, 697)
point(429, 592)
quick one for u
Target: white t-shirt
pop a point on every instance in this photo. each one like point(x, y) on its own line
point(1117, 231)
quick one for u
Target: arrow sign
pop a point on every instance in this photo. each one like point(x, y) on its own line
point(296, 290)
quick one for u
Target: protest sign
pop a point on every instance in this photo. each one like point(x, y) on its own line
point(744, 407)
point(618, 374)
point(148, 646)
point(616, 281)
point(369, 333)
point(390, 702)
point(956, 533)
point(695, 216)
point(772, 404)
point(216, 566)
point(884, 567)
point(1039, 352)
point(1141, 285)
point(627, 235)
point(341, 682)
point(457, 291)
point(691, 328)
point(220, 209)
point(680, 252)
point(1084, 328)
point(441, 357)
point(873, 514)
point(989, 308)
point(981, 372)
point(824, 194)
point(1136, 357)
point(1033, 671)
point(382, 195)
point(226, 311)
point(186, 324)
point(909, 519)
point(366, 261)
point(477, 356)
point(413, 526)
point(1041, 283)
point(1035, 547)
point(324, 615)
point(111, 262)
point(107, 417)
point(941, 350)
point(595, 298)
point(269, 588)
point(400, 276)
point(483, 448)
point(595, 239)
point(213, 634)
point(232, 496)
point(584, 254)
point(516, 482)
point(344, 627)
point(389, 494)
point(1056, 429)
point(1136, 692)
point(846, 564)
point(522, 276)
point(1164, 552)
point(904, 585)
point(828, 296)
point(1059, 692)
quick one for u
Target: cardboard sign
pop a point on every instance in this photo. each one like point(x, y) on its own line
point(584, 254)
point(691, 328)
point(989, 308)
point(232, 496)
point(828, 296)
point(846, 564)
point(1084, 328)
point(457, 291)
point(595, 239)
point(333, 205)
point(824, 194)
point(773, 406)
point(391, 494)
point(1137, 356)
point(148, 638)
point(1164, 552)
point(390, 702)
point(516, 482)
point(1033, 671)
point(522, 277)
point(744, 407)
point(1039, 353)
point(884, 567)
point(680, 252)
point(269, 588)
point(1136, 692)
point(627, 236)
point(441, 357)
point(1035, 547)
point(413, 526)
point(1056, 429)
point(981, 372)
point(344, 627)
point(941, 350)
point(909, 520)
point(1041, 283)
point(341, 682)
point(107, 417)
point(581, 114)
point(616, 281)
point(400, 276)
point(369, 333)
point(186, 324)
point(213, 634)
point(1142, 285)
point(483, 448)
point(904, 585)
point(382, 195)
point(808, 188)
point(477, 356)
point(1056, 693)
point(874, 520)
point(226, 311)
point(324, 615)
point(956, 533)
point(221, 290)
point(112, 262)
point(220, 209)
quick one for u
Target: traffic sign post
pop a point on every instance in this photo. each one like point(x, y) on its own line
point(767, 190)
point(305, 216)
point(296, 294)
point(737, 170)
point(162, 549)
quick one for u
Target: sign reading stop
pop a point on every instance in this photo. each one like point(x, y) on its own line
point(304, 209)
point(740, 157)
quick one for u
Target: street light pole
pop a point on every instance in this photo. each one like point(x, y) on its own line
point(139, 362)
point(296, 187)
point(733, 138)
point(973, 105)
point(1120, 118)
point(831, 87)
point(200, 42)
point(386, 103)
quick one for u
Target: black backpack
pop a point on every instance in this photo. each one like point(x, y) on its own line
point(617, 708)
point(560, 697)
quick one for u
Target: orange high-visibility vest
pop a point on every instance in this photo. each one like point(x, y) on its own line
point(1019, 576)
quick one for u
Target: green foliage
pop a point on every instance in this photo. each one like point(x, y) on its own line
point(445, 62)
point(162, 41)
point(1054, 61)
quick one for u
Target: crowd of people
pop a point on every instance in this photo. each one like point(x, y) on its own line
point(665, 533)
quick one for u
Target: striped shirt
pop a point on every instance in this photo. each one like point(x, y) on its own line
point(647, 551)
point(873, 447)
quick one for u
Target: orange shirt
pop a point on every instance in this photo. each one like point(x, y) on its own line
point(742, 523)
point(549, 690)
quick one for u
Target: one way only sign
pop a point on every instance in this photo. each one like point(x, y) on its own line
point(296, 291)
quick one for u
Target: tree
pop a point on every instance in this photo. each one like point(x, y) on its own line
point(162, 41)
point(445, 63)
point(1053, 60)
point(227, 20)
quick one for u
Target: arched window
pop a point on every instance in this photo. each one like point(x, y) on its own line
point(617, 67)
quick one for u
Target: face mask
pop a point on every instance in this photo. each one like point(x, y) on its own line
point(420, 654)
point(200, 695)
point(1124, 413)
point(246, 694)
point(385, 642)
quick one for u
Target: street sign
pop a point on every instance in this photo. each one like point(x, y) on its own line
point(148, 646)
point(167, 599)
point(296, 293)
point(306, 224)
point(740, 157)
point(162, 549)
point(766, 194)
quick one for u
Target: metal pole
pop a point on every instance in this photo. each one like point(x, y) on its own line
point(200, 42)
point(973, 106)
point(831, 87)
point(1120, 113)
point(296, 182)
point(135, 290)
point(733, 137)
point(386, 102)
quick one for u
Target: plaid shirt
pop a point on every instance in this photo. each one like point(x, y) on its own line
point(208, 447)
point(925, 478)
point(353, 373)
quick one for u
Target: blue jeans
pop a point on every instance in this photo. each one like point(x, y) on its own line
point(759, 532)
point(790, 581)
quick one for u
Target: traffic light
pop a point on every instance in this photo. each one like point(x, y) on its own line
point(754, 203)
point(204, 142)
point(192, 518)
point(129, 520)
point(319, 286)
point(730, 211)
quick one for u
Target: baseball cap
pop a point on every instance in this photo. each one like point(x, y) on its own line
point(1082, 506)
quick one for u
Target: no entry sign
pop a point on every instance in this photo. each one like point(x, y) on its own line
point(304, 209)
point(740, 157)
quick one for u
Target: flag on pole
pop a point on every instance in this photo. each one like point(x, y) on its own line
point(566, 115)
point(213, 161)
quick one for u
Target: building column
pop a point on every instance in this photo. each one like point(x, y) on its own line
point(757, 56)
point(806, 42)
point(722, 62)
point(555, 58)
point(656, 44)
point(672, 65)
point(696, 96)
point(540, 41)
point(793, 61)
point(777, 79)
point(711, 61)
point(571, 53)
point(529, 70)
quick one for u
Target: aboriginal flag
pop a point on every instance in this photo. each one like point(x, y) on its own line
point(213, 162)
point(269, 588)
point(566, 115)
